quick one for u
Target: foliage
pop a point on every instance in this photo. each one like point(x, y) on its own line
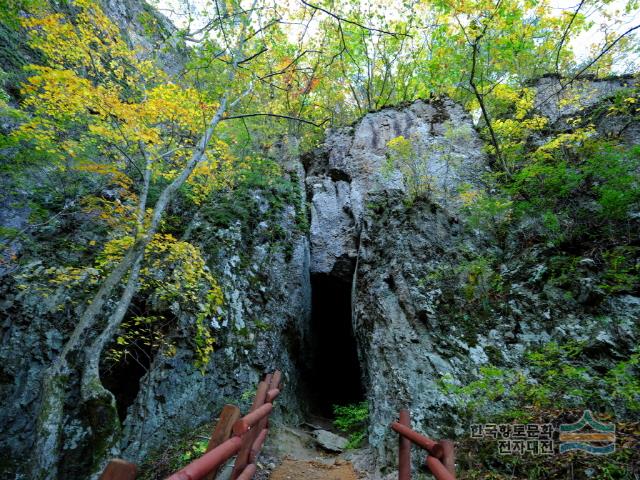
point(420, 164)
point(515, 128)
point(174, 272)
point(175, 277)
point(492, 212)
point(261, 191)
point(595, 170)
point(622, 271)
point(186, 447)
point(470, 291)
point(558, 382)
point(555, 376)
point(98, 109)
point(402, 156)
point(195, 451)
point(352, 419)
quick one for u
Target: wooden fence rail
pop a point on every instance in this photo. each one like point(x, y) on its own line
point(233, 435)
point(441, 458)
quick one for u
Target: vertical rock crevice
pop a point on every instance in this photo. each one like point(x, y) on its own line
point(335, 374)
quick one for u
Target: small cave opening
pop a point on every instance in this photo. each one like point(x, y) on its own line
point(129, 357)
point(335, 377)
point(123, 380)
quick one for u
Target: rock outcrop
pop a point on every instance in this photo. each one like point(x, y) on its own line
point(149, 31)
point(264, 322)
point(417, 313)
point(558, 97)
point(363, 229)
point(267, 309)
point(348, 171)
point(565, 103)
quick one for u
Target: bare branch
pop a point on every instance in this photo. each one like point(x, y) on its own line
point(566, 33)
point(275, 115)
point(285, 68)
point(575, 77)
point(346, 20)
point(475, 45)
point(605, 51)
point(248, 59)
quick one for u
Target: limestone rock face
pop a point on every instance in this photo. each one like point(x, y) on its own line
point(563, 103)
point(407, 261)
point(267, 310)
point(14, 215)
point(556, 98)
point(363, 229)
point(148, 30)
point(264, 320)
point(409, 340)
point(350, 167)
point(267, 306)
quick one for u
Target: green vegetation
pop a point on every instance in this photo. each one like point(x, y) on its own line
point(555, 377)
point(416, 164)
point(134, 180)
point(353, 420)
point(186, 447)
point(556, 380)
point(403, 157)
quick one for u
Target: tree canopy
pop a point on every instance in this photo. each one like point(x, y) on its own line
point(103, 125)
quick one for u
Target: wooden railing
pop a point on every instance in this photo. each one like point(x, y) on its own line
point(441, 458)
point(243, 437)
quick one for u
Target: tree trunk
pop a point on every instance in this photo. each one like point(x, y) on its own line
point(54, 393)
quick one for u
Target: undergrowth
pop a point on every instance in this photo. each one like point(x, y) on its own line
point(352, 419)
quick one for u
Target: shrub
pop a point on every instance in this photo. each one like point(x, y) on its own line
point(352, 419)
point(555, 376)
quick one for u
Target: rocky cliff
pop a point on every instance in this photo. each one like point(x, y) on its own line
point(429, 293)
point(426, 304)
point(267, 306)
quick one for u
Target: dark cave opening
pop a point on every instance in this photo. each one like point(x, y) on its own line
point(335, 375)
point(123, 379)
point(124, 364)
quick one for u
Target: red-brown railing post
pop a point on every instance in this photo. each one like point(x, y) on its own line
point(248, 437)
point(427, 444)
point(404, 462)
point(229, 415)
point(244, 438)
point(441, 459)
point(448, 456)
point(438, 469)
point(197, 469)
point(119, 469)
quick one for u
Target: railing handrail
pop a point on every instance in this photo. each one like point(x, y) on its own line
point(210, 460)
point(249, 434)
point(441, 458)
point(243, 437)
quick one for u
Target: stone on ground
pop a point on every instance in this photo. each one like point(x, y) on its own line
point(330, 441)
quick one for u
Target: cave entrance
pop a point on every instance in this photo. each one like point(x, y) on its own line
point(335, 376)
point(122, 369)
point(123, 378)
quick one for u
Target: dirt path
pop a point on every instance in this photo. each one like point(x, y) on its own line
point(311, 470)
point(302, 459)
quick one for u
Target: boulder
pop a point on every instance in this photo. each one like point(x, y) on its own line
point(330, 441)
